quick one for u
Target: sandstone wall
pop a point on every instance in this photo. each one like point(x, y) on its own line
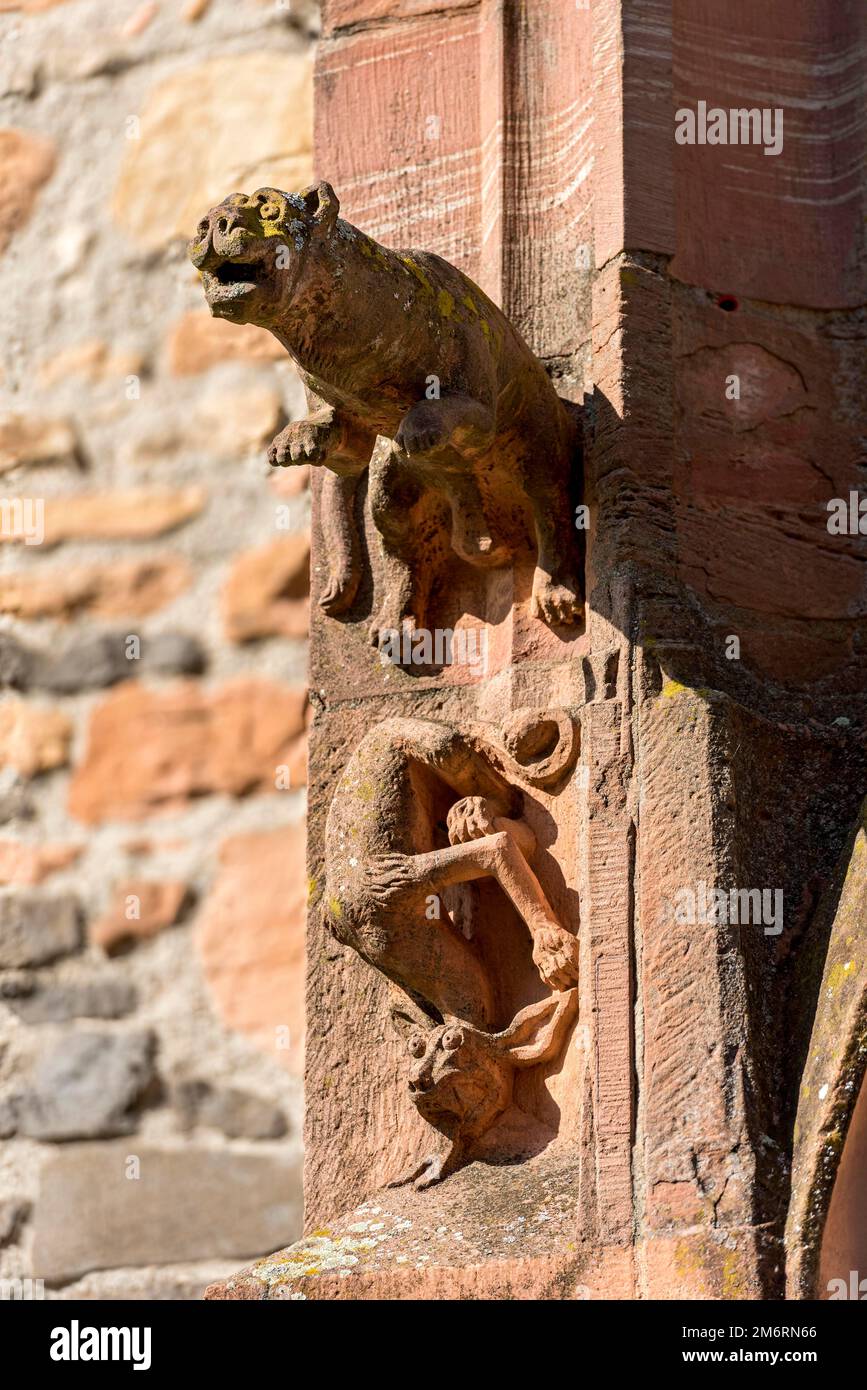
point(152, 654)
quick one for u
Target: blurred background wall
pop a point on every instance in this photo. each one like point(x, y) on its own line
point(153, 618)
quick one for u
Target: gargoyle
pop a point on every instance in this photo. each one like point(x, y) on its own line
point(385, 858)
point(461, 1078)
point(402, 347)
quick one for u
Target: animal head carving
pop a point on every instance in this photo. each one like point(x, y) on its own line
point(460, 1078)
point(251, 249)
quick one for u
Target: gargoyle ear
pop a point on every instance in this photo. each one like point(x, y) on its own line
point(322, 205)
point(537, 1033)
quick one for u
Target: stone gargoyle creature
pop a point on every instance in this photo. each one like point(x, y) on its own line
point(402, 348)
point(385, 857)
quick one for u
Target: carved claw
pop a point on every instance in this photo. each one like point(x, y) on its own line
point(380, 631)
point(425, 428)
point(555, 955)
point(304, 441)
point(428, 1172)
point(556, 604)
point(339, 592)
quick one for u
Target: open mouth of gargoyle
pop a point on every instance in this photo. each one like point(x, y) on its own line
point(233, 279)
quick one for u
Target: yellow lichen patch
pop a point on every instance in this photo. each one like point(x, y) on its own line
point(272, 229)
point(486, 328)
point(445, 304)
point(672, 688)
point(311, 887)
point(471, 304)
point(335, 908)
point(418, 273)
point(732, 1277)
point(838, 974)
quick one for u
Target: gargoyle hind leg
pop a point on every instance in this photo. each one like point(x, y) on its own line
point(408, 561)
point(498, 856)
point(342, 546)
point(558, 591)
point(443, 437)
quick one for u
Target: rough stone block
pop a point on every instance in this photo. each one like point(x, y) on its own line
point(186, 1204)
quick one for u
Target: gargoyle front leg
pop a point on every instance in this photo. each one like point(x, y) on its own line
point(325, 436)
point(499, 855)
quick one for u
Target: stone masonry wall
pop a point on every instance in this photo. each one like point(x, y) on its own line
point(153, 619)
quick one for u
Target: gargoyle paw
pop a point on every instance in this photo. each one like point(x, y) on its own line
point(557, 604)
point(555, 955)
point(304, 441)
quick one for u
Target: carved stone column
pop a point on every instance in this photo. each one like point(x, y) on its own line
point(643, 777)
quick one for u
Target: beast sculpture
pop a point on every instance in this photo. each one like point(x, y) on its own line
point(402, 348)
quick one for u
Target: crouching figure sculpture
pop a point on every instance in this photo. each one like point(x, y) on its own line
point(407, 780)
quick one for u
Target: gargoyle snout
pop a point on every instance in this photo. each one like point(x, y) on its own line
point(222, 233)
point(421, 1079)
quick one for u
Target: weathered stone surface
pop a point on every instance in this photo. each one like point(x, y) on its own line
point(156, 749)
point(266, 593)
point(93, 360)
point(33, 739)
point(36, 928)
point(108, 996)
point(134, 515)
point(16, 663)
point(186, 1204)
point(26, 163)
point(219, 113)
point(237, 422)
point(87, 1086)
point(16, 804)
point(198, 342)
point(139, 908)
point(238, 1114)
point(103, 661)
point(132, 588)
point(28, 864)
point(250, 939)
point(26, 439)
point(10, 1108)
point(13, 1214)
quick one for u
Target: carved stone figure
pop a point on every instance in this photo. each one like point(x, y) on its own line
point(461, 1078)
point(385, 860)
point(401, 346)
